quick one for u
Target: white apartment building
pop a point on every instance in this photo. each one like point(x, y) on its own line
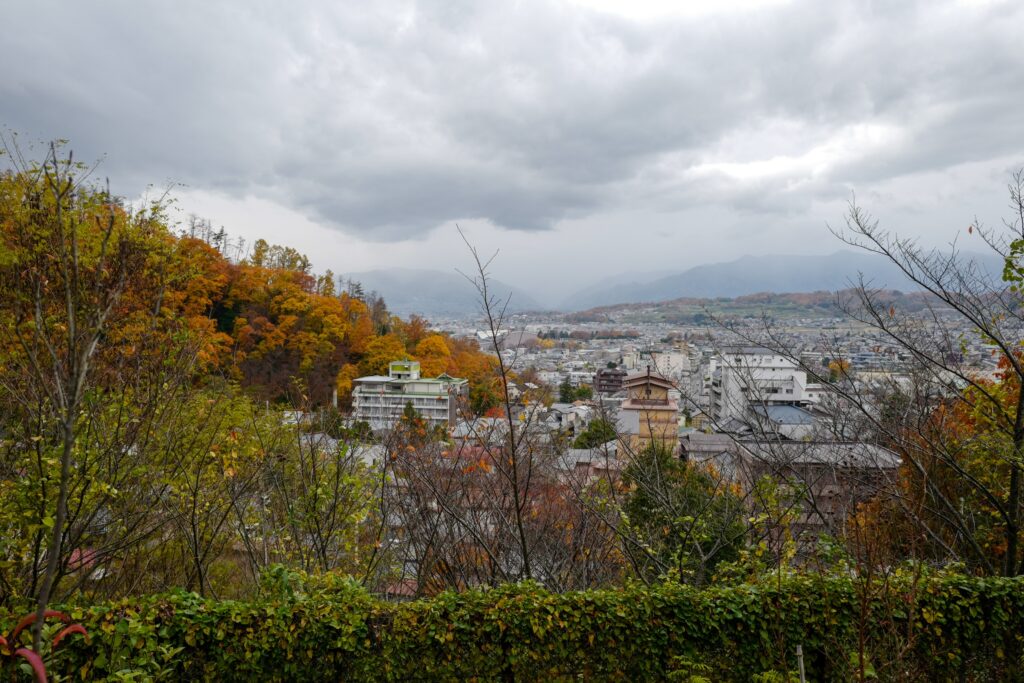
point(675, 365)
point(380, 401)
point(748, 376)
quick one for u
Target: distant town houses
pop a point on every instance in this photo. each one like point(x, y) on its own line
point(748, 413)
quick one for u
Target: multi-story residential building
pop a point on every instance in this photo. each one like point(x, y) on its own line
point(749, 376)
point(380, 400)
point(609, 380)
point(675, 364)
point(649, 414)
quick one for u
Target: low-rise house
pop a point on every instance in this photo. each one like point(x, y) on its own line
point(584, 466)
point(570, 416)
point(830, 477)
point(774, 421)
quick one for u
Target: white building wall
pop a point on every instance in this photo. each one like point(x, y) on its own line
point(747, 377)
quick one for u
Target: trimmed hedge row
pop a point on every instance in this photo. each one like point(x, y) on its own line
point(948, 627)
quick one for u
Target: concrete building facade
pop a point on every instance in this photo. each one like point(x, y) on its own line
point(380, 400)
point(754, 376)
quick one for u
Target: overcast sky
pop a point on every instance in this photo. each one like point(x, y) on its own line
point(579, 138)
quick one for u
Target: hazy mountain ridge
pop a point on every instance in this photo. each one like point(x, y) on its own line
point(756, 274)
point(434, 292)
point(690, 310)
point(799, 280)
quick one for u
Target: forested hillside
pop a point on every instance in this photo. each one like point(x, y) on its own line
point(288, 334)
point(268, 321)
point(144, 379)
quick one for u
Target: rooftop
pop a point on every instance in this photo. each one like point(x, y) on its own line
point(369, 379)
point(785, 415)
point(835, 454)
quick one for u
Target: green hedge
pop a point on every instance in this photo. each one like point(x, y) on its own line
point(948, 627)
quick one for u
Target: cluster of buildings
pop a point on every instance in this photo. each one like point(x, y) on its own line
point(744, 412)
point(747, 411)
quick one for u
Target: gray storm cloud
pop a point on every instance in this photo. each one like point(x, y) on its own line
point(386, 119)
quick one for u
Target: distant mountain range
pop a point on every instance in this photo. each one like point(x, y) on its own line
point(435, 293)
point(693, 310)
point(754, 274)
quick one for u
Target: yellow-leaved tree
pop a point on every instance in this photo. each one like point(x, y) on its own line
point(434, 355)
point(381, 351)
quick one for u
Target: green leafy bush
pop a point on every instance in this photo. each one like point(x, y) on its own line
point(942, 627)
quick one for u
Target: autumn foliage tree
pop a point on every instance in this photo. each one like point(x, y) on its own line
point(84, 318)
point(971, 466)
point(959, 431)
point(289, 336)
point(683, 518)
point(959, 456)
point(433, 354)
point(137, 366)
